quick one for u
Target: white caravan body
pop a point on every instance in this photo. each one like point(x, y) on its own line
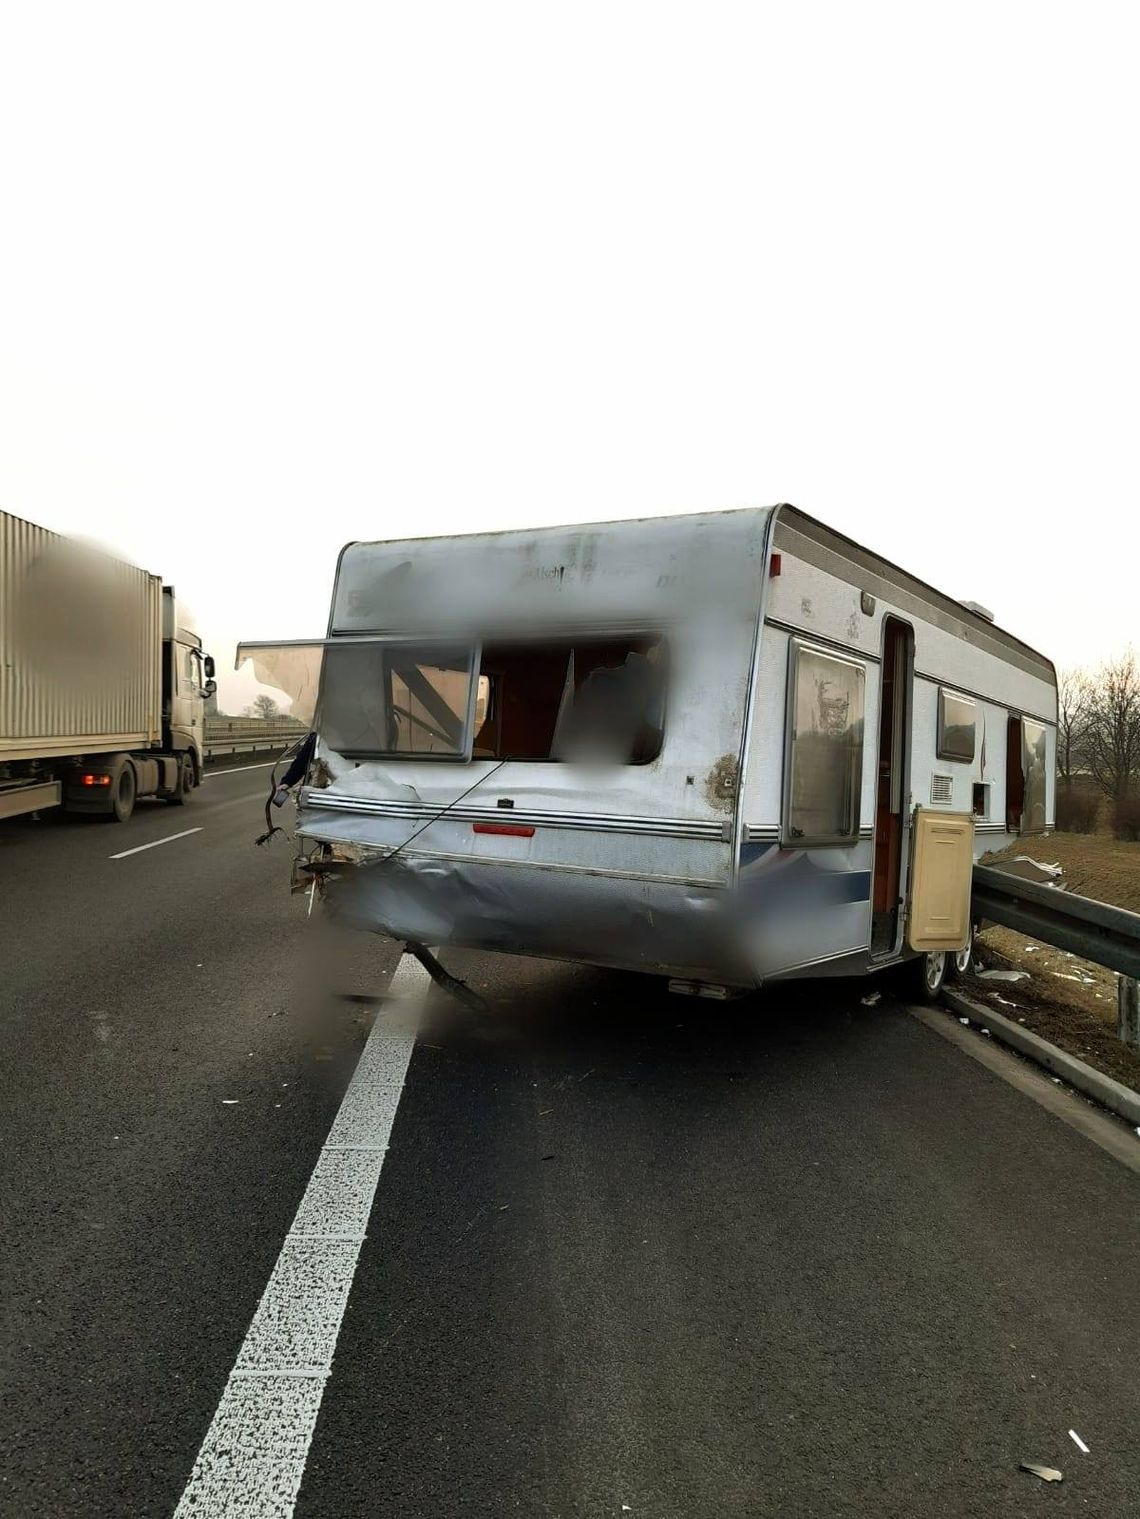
point(791, 707)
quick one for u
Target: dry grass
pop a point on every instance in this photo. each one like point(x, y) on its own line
point(1095, 865)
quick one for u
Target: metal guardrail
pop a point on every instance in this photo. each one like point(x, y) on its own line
point(226, 737)
point(1096, 931)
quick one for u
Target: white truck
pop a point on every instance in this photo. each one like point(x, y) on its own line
point(102, 683)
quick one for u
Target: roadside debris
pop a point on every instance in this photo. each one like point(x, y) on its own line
point(1078, 1442)
point(870, 1001)
point(458, 989)
point(1002, 975)
point(1046, 1473)
point(966, 1021)
point(1005, 1002)
point(230, 1102)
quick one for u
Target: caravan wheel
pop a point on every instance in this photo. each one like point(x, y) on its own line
point(964, 958)
point(927, 976)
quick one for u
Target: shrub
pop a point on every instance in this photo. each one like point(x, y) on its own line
point(1077, 811)
point(1126, 818)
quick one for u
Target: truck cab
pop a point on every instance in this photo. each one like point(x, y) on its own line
point(186, 682)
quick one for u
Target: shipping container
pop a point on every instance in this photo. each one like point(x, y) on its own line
point(80, 647)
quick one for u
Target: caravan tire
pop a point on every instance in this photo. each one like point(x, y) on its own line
point(962, 960)
point(927, 976)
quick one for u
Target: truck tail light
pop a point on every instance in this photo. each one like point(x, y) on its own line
point(96, 780)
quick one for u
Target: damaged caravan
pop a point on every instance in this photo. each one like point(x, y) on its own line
point(724, 748)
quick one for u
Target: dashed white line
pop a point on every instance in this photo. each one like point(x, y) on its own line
point(237, 769)
point(169, 839)
point(254, 1454)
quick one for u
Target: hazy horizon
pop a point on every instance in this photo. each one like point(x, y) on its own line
point(273, 284)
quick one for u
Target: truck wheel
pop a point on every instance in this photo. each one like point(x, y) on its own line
point(123, 802)
point(185, 781)
point(927, 976)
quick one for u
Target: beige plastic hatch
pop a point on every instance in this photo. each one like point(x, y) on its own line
point(941, 876)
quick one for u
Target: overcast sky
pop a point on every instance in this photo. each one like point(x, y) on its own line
point(276, 277)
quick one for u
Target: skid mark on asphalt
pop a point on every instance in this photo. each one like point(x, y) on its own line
point(253, 1457)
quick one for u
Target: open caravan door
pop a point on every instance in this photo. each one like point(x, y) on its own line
point(941, 878)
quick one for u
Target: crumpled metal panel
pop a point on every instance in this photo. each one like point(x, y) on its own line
point(637, 925)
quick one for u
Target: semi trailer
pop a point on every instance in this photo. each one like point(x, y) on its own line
point(103, 681)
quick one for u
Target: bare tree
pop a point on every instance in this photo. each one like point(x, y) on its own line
point(1111, 730)
point(1073, 691)
point(264, 707)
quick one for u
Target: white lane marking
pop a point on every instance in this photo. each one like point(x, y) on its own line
point(253, 1457)
point(169, 839)
point(237, 769)
point(1080, 1444)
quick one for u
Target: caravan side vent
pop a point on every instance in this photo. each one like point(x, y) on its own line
point(941, 789)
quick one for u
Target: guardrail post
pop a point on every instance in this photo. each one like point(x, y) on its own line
point(1128, 1010)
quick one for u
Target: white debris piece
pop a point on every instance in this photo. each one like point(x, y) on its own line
point(987, 1033)
point(1078, 1442)
point(1005, 1002)
point(966, 1021)
point(868, 1001)
point(230, 1102)
point(1003, 975)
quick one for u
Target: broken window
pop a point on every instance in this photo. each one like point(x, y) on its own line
point(397, 699)
point(597, 699)
point(824, 771)
point(594, 699)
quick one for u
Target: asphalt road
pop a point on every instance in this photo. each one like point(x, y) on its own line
point(787, 1257)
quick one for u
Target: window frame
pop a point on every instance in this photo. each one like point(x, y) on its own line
point(797, 648)
point(421, 647)
point(940, 749)
point(1027, 830)
point(574, 639)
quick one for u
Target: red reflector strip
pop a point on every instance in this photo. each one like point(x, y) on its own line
point(514, 830)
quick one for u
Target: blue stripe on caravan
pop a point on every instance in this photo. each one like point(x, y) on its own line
point(750, 853)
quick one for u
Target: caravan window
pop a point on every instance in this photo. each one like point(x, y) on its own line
point(824, 769)
point(398, 699)
point(1034, 814)
point(594, 699)
point(956, 725)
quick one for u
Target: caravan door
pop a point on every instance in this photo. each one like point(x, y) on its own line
point(892, 783)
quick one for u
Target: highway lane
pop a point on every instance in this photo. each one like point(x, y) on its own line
point(142, 1215)
point(797, 1258)
point(689, 1261)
